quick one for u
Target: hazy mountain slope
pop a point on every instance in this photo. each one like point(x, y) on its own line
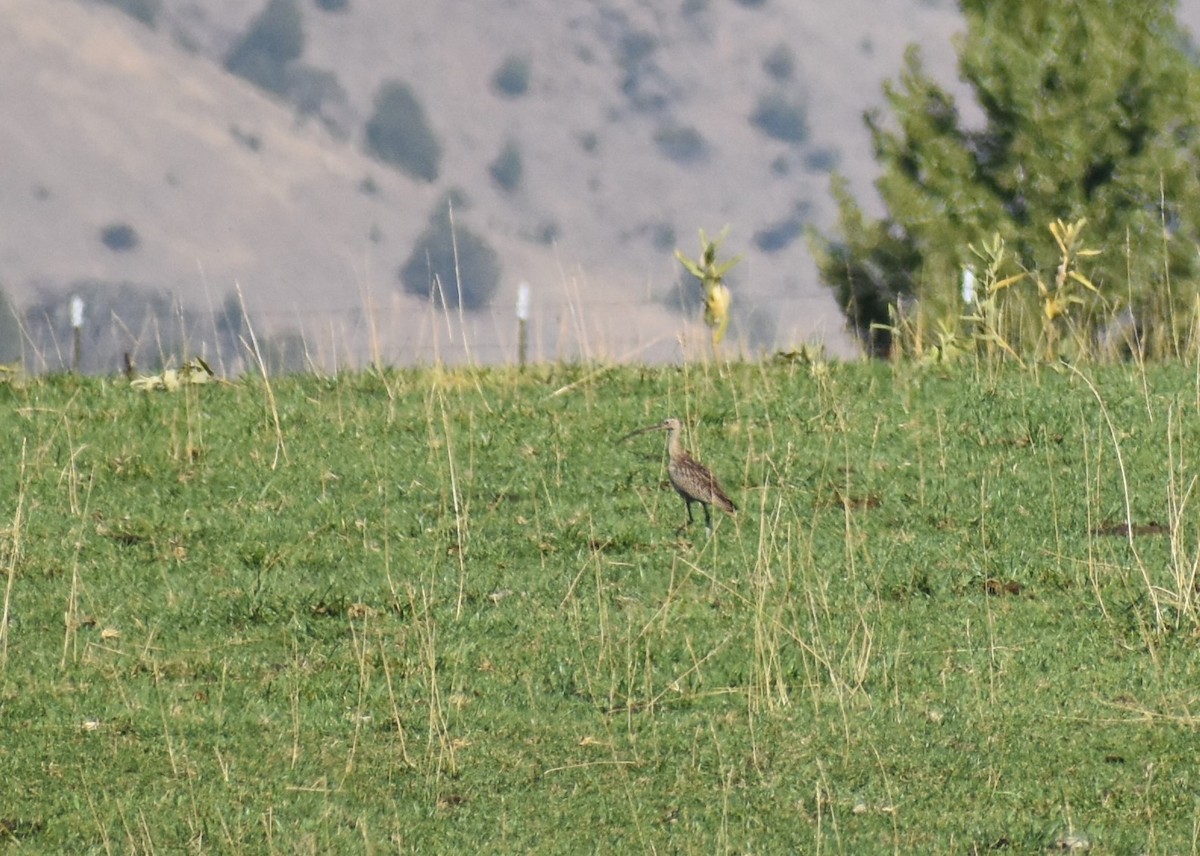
point(109, 122)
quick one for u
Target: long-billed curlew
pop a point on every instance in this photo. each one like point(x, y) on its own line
point(692, 480)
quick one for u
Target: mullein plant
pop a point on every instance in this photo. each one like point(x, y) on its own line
point(711, 274)
point(1059, 300)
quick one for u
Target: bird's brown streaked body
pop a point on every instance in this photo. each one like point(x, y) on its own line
point(693, 481)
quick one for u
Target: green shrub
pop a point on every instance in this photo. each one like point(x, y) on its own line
point(822, 160)
point(145, 11)
point(399, 133)
point(507, 169)
point(780, 63)
point(333, 5)
point(275, 39)
point(512, 77)
point(684, 145)
point(778, 236)
point(119, 237)
point(451, 264)
point(547, 233)
point(782, 118)
point(662, 237)
point(317, 92)
point(249, 139)
point(644, 83)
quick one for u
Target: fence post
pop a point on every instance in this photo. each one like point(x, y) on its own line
point(522, 323)
point(76, 332)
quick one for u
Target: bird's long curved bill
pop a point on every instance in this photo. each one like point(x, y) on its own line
point(641, 431)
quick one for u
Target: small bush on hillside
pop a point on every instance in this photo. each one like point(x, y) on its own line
point(781, 118)
point(275, 39)
point(119, 237)
point(333, 5)
point(547, 233)
point(249, 139)
point(780, 63)
point(644, 83)
point(662, 237)
point(399, 133)
point(512, 77)
point(822, 160)
point(778, 236)
point(145, 11)
point(451, 264)
point(682, 144)
point(317, 92)
point(507, 169)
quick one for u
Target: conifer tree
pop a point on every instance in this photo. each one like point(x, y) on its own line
point(1089, 110)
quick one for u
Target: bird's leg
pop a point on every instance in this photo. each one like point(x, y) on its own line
point(707, 517)
point(687, 503)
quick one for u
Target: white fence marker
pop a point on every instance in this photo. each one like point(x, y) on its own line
point(522, 322)
point(76, 331)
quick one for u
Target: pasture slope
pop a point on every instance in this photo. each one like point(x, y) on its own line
point(442, 611)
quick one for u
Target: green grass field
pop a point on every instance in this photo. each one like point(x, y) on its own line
point(441, 612)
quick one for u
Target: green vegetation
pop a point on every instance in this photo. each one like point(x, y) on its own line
point(316, 92)
point(643, 81)
point(512, 77)
point(451, 264)
point(119, 237)
point(442, 611)
point(780, 63)
point(782, 118)
point(779, 235)
point(145, 11)
point(399, 132)
point(711, 275)
point(507, 169)
point(822, 160)
point(1085, 117)
point(273, 42)
point(682, 144)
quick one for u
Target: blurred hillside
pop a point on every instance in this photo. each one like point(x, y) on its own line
point(573, 145)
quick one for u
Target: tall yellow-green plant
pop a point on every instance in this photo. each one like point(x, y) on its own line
point(986, 314)
point(711, 274)
point(1059, 300)
point(991, 325)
